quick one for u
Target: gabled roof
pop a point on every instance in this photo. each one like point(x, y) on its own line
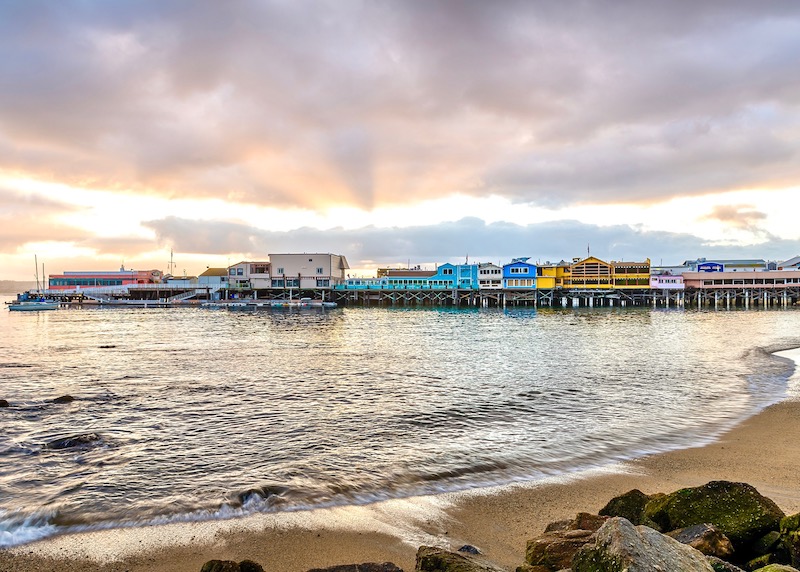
point(215, 272)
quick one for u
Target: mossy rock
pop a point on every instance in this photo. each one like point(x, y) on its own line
point(720, 565)
point(629, 506)
point(790, 523)
point(777, 568)
point(738, 509)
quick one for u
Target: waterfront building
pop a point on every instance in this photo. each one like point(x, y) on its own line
point(249, 275)
point(180, 281)
point(630, 275)
point(667, 282)
point(79, 279)
point(734, 265)
point(733, 279)
point(490, 276)
point(213, 280)
point(519, 274)
point(791, 264)
point(307, 270)
point(550, 276)
point(590, 274)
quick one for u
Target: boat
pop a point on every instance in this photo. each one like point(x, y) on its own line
point(33, 305)
point(29, 302)
point(256, 304)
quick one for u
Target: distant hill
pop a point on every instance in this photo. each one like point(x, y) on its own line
point(15, 286)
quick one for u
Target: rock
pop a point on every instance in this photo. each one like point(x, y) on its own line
point(706, 538)
point(760, 562)
point(4, 403)
point(623, 547)
point(737, 509)
point(629, 506)
point(231, 566)
point(766, 543)
point(250, 566)
point(366, 567)
point(554, 550)
point(432, 559)
point(790, 539)
point(64, 399)
point(582, 521)
point(529, 568)
point(220, 566)
point(720, 565)
point(469, 549)
point(78, 441)
point(777, 568)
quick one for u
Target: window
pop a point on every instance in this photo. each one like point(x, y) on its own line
point(447, 271)
point(320, 270)
point(277, 283)
point(519, 270)
point(232, 272)
point(280, 271)
point(323, 283)
point(240, 272)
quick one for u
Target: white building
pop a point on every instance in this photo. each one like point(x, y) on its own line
point(307, 270)
point(490, 276)
point(249, 274)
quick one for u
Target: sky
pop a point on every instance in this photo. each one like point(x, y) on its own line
point(396, 132)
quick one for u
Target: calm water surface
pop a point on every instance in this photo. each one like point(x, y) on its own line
point(199, 414)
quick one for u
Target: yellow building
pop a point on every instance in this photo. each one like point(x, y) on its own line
point(590, 274)
point(552, 276)
point(631, 275)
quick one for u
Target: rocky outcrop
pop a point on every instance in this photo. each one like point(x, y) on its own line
point(432, 559)
point(737, 509)
point(623, 547)
point(706, 538)
point(629, 506)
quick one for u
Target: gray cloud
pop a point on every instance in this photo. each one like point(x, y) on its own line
point(373, 103)
point(454, 241)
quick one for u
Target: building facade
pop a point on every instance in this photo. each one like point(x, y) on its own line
point(519, 274)
point(307, 270)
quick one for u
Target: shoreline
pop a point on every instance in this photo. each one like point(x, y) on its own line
point(760, 450)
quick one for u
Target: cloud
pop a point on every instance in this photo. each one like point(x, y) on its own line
point(318, 103)
point(455, 241)
point(30, 218)
point(743, 217)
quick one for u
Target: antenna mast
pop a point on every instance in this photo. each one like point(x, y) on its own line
point(171, 264)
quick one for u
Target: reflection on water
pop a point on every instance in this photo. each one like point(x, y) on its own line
point(202, 414)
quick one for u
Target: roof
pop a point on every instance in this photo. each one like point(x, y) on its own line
point(791, 262)
point(215, 272)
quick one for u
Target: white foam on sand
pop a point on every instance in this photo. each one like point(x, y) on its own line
point(793, 386)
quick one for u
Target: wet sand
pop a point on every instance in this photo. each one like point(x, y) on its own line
point(762, 451)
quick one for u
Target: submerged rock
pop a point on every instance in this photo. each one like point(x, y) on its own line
point(706, 538)
point(737, 509)
point(63, 399)
point(623, 547)
point(74, 441)
point(432, 559)
point(629, 506)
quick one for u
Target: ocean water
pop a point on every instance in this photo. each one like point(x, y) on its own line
point(190, 414)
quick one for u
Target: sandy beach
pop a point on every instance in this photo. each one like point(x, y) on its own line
point(761, 451)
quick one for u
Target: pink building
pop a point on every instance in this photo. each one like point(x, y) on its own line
point(768, 279)
point(92, 279)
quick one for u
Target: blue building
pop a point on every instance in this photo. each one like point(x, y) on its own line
point(519, 274)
